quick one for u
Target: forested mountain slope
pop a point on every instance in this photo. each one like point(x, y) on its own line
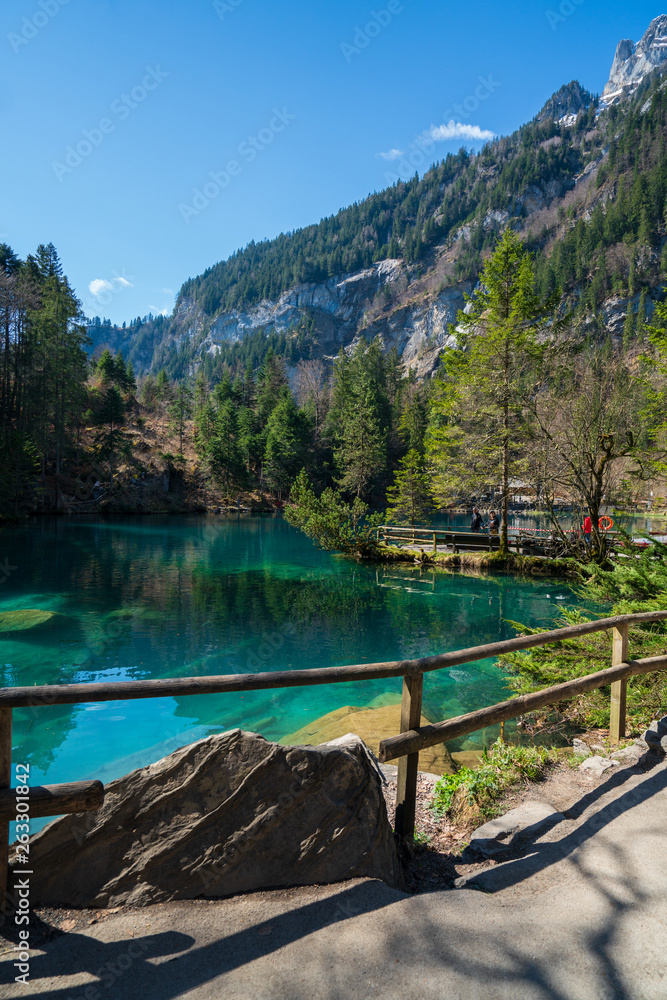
point(584, 182)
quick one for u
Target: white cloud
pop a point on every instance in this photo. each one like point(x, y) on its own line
point(124, 282)
point(98, 285)
point(456, 130)
point(393, 154)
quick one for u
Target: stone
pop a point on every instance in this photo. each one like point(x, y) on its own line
point(597, 765)
point(628, 755)
point(655, 736)
point(581, 749)
point(372, 725)
point(230, 813)
point(526, 821)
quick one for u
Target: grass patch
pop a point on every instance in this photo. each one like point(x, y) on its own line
point(488, 561)
point(470, 797)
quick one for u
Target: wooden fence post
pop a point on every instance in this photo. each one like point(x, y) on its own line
point(435, 543)
point(5, 782)
point(408, 767)
point(618, 688)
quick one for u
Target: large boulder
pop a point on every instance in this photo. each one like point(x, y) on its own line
point(227, 814)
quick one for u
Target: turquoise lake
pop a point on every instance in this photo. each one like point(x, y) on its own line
point(153, 597)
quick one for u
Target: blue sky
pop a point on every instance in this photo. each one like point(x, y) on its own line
point(149, 140)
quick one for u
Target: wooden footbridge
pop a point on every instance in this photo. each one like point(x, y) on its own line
point(527, 541)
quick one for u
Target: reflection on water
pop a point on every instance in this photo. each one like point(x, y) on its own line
point(148, 598)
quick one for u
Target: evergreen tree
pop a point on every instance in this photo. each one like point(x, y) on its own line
point(130, 378)
point(409, 499)
point(480, 424)
point(222, 450)
point(359, 420)
point(179, 412)
point(286, 436)
point(106, 366)
point(629, 327)
point(641, 316)
point(110, 417)
point(271, 381)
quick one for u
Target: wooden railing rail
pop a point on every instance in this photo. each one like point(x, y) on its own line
point(72, 694)
point(439, 732)
point(84, 796)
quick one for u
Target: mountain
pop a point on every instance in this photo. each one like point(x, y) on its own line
point(633, 63)
point(584, 182)
point(566, 103)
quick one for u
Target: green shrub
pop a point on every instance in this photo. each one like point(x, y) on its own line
point(634, 584)
point(469, 796)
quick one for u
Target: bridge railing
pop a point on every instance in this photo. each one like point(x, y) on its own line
point(53, 800)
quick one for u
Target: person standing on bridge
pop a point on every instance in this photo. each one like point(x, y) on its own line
point(476, 522)
point(588, 528)
point(494, 523)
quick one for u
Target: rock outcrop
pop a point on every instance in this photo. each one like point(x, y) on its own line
point(344, 309)
point(634, 62)
point(227, 814)
point(369, 303)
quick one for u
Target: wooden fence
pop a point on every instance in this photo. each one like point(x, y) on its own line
point(537, 541)
point(81, 796)
point(432, 537)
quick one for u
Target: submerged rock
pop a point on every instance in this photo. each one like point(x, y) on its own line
point(230, 813)
point(372, 725)
point(24, 619)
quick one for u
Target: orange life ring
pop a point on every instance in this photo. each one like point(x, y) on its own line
point(609, 523)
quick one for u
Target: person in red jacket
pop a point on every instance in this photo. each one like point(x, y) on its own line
point(588, 527)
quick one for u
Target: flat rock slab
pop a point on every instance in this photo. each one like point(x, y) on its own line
point(597, 765)
point(501, 834)
point(628, 755)
point(227, 814)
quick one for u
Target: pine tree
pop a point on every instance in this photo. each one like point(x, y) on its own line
point(479, 423)
point(130, 378)
point(179, 411)
point(409, 499)
point(641, 316)
point(222, 450)
point(106, 366)
point(110, 416)
point(286, 435)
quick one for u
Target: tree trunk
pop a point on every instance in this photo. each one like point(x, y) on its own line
point(504, 547)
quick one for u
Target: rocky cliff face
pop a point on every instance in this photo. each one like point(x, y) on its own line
point(377, 302)
point(634, 62)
